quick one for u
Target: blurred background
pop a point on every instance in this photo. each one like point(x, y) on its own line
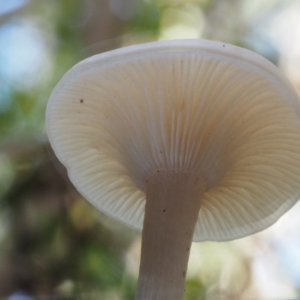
point(53, 244)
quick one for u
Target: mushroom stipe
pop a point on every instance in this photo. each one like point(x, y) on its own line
point(205, 132)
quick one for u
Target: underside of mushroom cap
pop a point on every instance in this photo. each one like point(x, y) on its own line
point(202, 107)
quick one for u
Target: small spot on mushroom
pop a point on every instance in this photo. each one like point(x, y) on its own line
point(183, 273)
point(223, 46)
point(164, 210)
point(188, 249)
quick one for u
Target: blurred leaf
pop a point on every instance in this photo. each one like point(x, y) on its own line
point(147, 18)
point(194, 290)
point(102, 267)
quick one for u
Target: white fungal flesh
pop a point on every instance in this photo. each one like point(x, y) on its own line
point(211, 109)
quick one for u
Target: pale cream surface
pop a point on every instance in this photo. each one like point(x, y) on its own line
point(207, 108)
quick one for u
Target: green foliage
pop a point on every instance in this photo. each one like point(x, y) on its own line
point(194, 290)
point(146, 18)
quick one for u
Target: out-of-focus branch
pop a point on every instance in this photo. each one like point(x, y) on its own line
point(102, 30)
point(23, 147)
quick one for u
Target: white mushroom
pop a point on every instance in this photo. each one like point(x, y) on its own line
point(150, 133)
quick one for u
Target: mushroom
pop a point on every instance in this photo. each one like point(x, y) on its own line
point(150, 133)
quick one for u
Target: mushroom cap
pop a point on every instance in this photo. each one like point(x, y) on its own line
point(212, 109)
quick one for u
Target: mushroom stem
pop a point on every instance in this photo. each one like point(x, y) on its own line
point(172, 208)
